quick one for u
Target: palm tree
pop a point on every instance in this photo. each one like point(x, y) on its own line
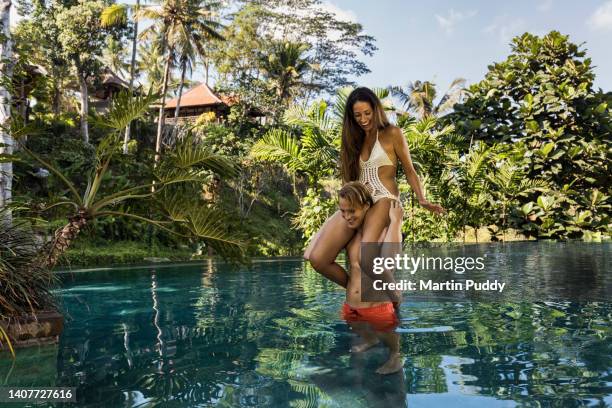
point(188, 163)
point(113, 57)
point(184, 24)
point(433, 149)
point(471, 185)
point(116, 14)
point(190, 48)
point(285, 66)
point(419, 97)
point(151, 62)
point(313, 153)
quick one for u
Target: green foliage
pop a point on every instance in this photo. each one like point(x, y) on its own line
point(25, 288)
point(316, 52)
point(188, 163)
point(418, 97)
point(542, 96)
point(285, 67)
point(315, 208)
point(81, 35)
point(311, 149)
point(117, 252)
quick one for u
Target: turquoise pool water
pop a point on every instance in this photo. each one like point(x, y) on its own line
point(270, 336)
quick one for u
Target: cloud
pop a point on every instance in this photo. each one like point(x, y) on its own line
point(449, 22)
point(505, 28)
point(601, 19)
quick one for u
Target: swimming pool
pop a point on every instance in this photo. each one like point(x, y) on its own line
point(270, 335)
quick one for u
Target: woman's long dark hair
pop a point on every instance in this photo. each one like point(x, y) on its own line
point(353, 135)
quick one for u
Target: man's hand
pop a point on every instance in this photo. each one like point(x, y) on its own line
point(434, 208)
point(396, 213)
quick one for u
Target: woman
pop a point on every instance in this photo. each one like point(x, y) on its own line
point(371, 148)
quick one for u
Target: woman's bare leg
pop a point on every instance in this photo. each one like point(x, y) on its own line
point(376, 221)
point(325, 247)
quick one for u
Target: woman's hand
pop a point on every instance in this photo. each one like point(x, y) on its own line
point(396, 213)
point(434, 208)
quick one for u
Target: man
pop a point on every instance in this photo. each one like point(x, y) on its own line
point(373, 321)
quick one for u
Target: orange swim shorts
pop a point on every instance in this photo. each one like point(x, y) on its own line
point(382, 317)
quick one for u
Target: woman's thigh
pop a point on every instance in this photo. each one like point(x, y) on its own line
point(333, 236)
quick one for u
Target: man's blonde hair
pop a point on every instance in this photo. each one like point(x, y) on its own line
point(356, 194)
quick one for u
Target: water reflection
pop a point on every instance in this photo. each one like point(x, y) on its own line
point(205, 335)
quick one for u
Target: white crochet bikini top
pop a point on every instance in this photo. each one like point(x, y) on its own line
point(368, 174)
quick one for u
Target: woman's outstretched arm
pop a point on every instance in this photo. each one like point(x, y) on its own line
point(403, 154)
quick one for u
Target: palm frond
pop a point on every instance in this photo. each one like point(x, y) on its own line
point(124, 109)
point(315, 116)
point(114, 15)
point(279, 146)
point(340, 102)
point(191, 155)
point(319, 148)
point(452, 96)
point(212, 226)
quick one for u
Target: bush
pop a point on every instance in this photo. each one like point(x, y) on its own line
point(119, 252)
point(24, 287)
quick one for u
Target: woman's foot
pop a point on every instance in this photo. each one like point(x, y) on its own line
point(393, 364)
point(360, 348)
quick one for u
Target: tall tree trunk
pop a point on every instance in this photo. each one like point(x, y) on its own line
point(56, 98)
point(126, 137)
point(62, 239)
point(161, 117)
point(84, 108)
point(6, 140)
point(180, 91)
point(206, 64)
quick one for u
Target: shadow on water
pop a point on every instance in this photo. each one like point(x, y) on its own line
point(204, 335)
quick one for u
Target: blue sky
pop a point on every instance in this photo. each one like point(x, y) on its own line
point(443, 40)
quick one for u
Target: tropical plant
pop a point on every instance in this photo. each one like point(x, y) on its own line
point(81, 38)
point(188, 163)
point(255, 27)
point(542, 95)
point(313, 152)
point(509, 182)
point(25, 288)
point(285, 67)
point(433, 149)
point(117, 15)
point(314, 210)
point(465, 188)
point(151, 64)
point(186, 26)
point(419, 97)
point(113, 56)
